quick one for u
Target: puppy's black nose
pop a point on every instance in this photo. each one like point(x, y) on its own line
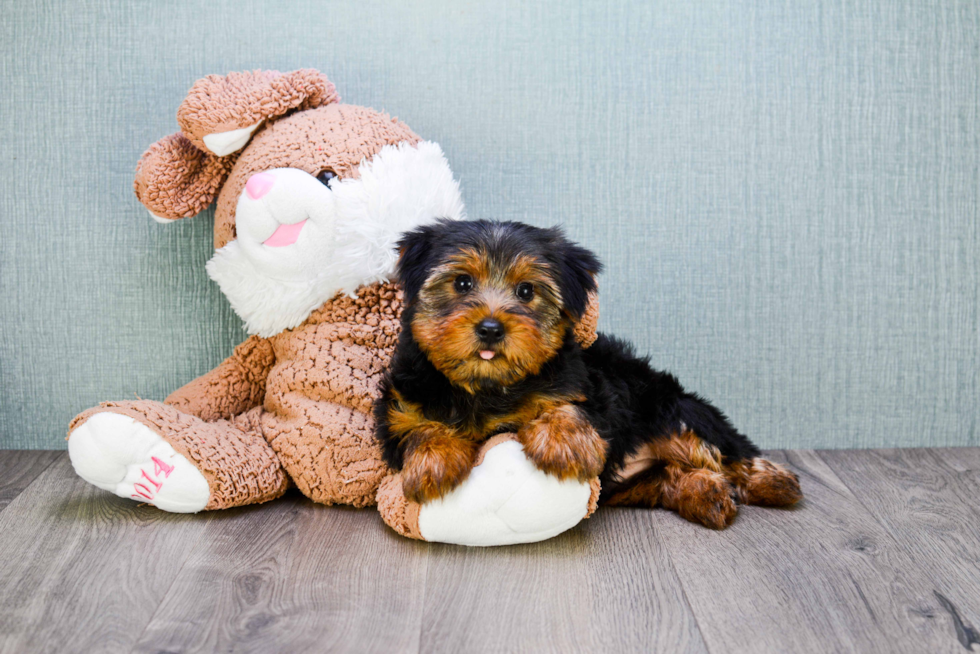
point(490, 330)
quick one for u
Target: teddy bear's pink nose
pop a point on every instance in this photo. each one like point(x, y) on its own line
point(259, 184)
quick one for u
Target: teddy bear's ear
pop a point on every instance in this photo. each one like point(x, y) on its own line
point(220, 113)
point(175, 180)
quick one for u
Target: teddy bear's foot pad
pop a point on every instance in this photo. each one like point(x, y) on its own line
point(125, 457)
point(505, 500)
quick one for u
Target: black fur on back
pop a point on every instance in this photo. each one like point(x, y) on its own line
point(629, 403)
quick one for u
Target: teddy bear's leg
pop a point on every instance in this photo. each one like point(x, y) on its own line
point(505, 500)
point(154, 453)
point(328, 450)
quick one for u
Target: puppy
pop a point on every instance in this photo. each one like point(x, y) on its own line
point(487, 347)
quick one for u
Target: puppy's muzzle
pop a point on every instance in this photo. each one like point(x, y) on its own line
point(490, 331)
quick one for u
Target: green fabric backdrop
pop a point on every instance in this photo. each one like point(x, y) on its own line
point(785, 193)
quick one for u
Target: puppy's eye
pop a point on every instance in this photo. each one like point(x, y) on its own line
point(525, 291)
point(325, 176)
point(463, 284)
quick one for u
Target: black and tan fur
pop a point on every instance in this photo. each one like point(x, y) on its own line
point(577, 412)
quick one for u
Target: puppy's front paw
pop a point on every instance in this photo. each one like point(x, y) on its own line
point(563, 443)
point(436, 466)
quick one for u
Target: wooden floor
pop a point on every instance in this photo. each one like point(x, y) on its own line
point(882, 557)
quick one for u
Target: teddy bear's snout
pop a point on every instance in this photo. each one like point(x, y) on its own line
point(276, 204)
point(259, 184)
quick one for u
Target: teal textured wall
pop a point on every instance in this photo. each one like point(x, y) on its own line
point(785, 193)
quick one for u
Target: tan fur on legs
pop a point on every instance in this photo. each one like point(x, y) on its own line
point(646, 492)
point(699, 495)
point(690, 480)
point(437, 463)
point(685, 450)
point(437, 457)
point(763, 483)
point(561, 442)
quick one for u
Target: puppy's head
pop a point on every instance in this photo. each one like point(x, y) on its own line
point(492, 301)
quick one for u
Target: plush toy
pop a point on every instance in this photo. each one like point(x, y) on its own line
point(312, 196)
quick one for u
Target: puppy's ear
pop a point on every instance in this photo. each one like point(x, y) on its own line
point(415, 258)
point(577, 269)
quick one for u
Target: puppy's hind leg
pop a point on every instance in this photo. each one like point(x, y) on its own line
point(764, 483)
point(756, 480)
point(680, 473)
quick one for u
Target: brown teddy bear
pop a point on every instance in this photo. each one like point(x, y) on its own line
point(312, 196)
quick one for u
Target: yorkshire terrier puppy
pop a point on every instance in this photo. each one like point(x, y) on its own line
point(487, 347)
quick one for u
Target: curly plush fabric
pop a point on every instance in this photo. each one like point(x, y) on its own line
point(296, 406)
point(308, 392)
point(235, 386)
point(178, 177)
point(585, 329)
point(319, 394)
point(396, 510)
point(221, 103)
point(175, 179)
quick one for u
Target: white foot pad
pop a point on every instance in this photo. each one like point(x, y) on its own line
point(505, 500)
point(125, 457)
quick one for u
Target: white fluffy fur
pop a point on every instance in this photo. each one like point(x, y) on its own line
point(348, 240)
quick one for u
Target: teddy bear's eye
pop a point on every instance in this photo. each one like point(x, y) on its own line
point(325, 176)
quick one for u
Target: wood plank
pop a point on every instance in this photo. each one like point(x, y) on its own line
point(82, 570)
point(927, 499)
point(823, 577)
point(18, 468)
point(607, 585)
point(887, 561)
point(292, 575)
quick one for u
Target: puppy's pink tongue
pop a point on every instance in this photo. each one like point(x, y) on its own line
point(487, 354)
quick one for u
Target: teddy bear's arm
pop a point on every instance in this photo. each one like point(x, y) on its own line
point(235, 386)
